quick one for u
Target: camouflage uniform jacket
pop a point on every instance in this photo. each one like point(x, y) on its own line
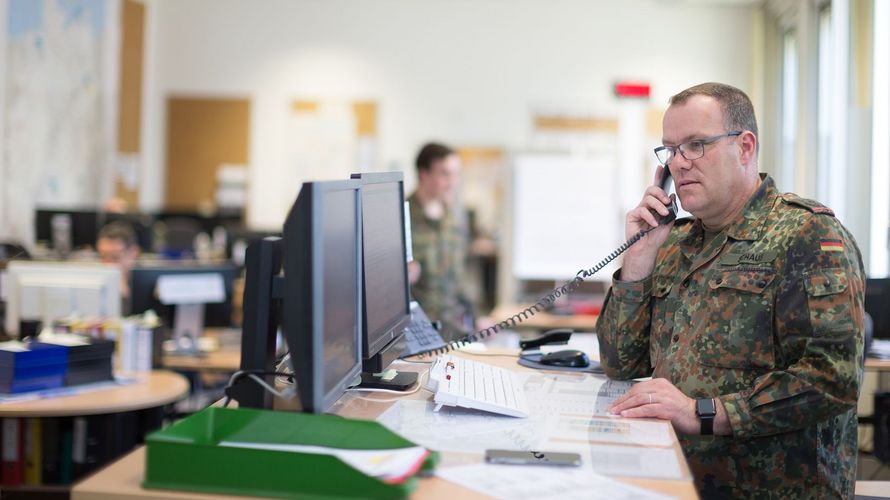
point(440, 247)
point(767, 317)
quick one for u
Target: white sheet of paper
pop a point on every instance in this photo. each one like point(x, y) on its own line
point(460, 429)
point(633, 461)
point(203, 288)
point(542, 482)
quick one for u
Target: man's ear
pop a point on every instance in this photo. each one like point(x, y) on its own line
point(747, 147)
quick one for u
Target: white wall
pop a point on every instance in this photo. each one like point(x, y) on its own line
point(467, 72)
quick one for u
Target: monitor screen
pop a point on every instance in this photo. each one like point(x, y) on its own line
point(143, 296)
point(386, 303)
point(66, 228)
point(48, 291)
point(877, 305)
point(321, 310)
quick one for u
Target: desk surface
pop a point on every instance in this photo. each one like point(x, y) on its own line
point(879, 365)
point(225, 359)
point(122, 479)
point(545, 320)
point(154, 389)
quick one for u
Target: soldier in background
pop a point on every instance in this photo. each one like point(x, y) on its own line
point(439, 240)
point(117, 244)
point(749, 316)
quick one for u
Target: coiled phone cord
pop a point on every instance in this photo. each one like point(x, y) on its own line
point(541, 305)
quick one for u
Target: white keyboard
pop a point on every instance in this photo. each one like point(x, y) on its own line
point(462, 382)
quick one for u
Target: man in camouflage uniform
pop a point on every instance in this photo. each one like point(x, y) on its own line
point(439, 239)
point(754, 308)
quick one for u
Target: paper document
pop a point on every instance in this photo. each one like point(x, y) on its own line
point(461, 429)
point(14, 346)
point(583, 430)
point(633, 461)
point(391, 465)
point(541, 482)
point(64, 339)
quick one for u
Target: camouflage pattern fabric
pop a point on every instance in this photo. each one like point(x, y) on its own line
point(440, 247)
point(767, 317)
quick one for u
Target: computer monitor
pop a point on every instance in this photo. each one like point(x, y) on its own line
point(143, 290)
point(386, 305)
point(322, 301)
point(64, 229)
point(877, 305)
point(48, 291)
point(319, 298)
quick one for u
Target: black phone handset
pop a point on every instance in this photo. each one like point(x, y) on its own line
point(569, 286)
point(665, 182)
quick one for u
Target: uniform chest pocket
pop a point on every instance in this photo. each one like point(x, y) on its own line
point(662, 320)
point(734, 330)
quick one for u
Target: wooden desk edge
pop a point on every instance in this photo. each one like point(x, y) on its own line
point(123, 480)
point(159, 388)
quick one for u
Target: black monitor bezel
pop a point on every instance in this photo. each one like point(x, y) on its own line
point(877, 304)
point(302, 315)
point(372, 344)
point(85, 226)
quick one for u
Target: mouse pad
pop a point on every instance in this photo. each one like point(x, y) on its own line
point(531, 361)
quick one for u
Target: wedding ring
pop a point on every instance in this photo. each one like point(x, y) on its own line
point(650, 397)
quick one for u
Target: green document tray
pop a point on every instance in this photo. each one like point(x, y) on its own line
point(185, 456)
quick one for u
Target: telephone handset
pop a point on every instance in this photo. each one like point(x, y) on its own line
point(567, 288)
point(665, 183)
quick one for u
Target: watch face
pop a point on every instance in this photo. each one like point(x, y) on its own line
point(705, 407)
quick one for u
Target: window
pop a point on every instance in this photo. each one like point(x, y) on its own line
point(789, 111)
point(826, 92)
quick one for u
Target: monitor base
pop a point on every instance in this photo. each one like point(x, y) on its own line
point(401, 382)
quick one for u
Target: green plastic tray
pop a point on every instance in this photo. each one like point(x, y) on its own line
point(185, 456)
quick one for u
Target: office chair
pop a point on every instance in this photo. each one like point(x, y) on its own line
point(179, 236)
point(10, 251)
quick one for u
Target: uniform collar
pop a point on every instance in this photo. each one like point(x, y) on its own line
point(749, 225)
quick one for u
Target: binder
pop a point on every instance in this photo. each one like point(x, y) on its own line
point(186, 455)
point(65, 465)
point(33, 451)
point(12, 465)
point(51, 451)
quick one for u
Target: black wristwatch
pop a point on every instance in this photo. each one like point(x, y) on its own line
point(706, 409)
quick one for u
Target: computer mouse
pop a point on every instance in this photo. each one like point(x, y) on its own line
point(572, 358)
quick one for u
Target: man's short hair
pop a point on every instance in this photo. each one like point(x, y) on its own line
point(738, 112)
point(431, 153)
point(120, 231)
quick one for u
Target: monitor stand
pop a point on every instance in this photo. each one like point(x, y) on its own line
point(188, 324)
point(375, 374)
point(389, 379)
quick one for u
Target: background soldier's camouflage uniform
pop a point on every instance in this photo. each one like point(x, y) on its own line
point(768, 317)
point(440, 247)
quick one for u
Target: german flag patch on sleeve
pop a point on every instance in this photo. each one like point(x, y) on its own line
point(831, 245)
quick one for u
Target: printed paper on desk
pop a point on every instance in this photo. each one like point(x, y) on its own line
point(585, 430)
point(541, 482)
point(460, 429)
point(204, 288)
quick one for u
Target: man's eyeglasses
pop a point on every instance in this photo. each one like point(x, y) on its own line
point(691, 150)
